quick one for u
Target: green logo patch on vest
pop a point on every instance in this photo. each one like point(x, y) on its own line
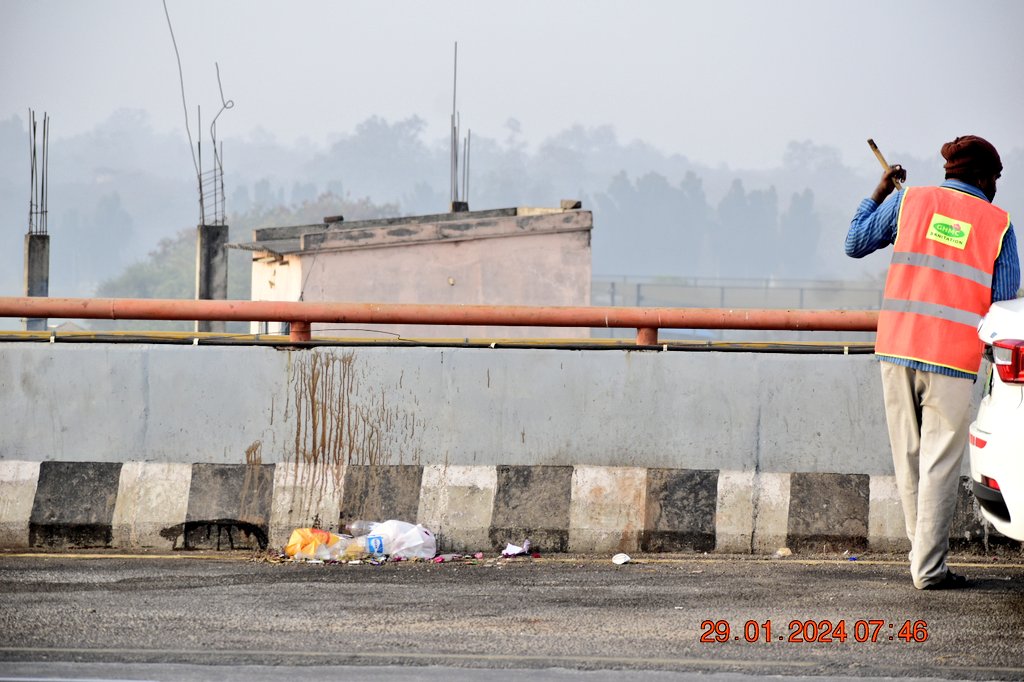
point(949, 231)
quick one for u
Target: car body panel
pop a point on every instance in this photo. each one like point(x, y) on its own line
point(997, 435)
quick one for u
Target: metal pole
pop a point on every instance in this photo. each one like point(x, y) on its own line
point(429, 314)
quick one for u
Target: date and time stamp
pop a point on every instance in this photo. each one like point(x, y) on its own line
point(841, 631)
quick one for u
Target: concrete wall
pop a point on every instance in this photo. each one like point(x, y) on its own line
point(384, 405)
point(254, 441)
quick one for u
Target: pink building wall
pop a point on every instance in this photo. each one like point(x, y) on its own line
point(529, 257)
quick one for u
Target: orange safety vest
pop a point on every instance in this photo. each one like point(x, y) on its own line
point(940, 280)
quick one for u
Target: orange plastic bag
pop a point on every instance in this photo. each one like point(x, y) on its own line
point(311, 543)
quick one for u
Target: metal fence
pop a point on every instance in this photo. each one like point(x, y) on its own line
point(736, 293)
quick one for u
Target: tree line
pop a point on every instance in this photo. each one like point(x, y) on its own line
point(123, 199)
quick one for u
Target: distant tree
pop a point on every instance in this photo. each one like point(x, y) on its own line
point(240, 200)
point(381, 159)
point(169, 270)
point(800, 232)
point(763, 207)
point(303, 192)
point(120, 188)
point(747, 239)
point(113, 227)
point(806, 165)
point(500, 174)
point(515, 131)
point(263, 194)
point(697, 223)
point(651, 227)
point(804, 155)
point(311, 212)
point(423, 200)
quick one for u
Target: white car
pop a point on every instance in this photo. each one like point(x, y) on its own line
point(997, 435)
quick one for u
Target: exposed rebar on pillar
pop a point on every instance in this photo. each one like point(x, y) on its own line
point(37, 241)
point(211, 271)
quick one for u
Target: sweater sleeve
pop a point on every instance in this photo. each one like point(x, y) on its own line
point(873, 226)
point(1006, 275)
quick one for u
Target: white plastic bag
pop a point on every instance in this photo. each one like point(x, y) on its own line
point(401, 540)
point(415, 543)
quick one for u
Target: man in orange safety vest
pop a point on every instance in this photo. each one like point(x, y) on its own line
point(954, 253)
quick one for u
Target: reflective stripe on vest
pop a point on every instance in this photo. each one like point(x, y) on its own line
point(939, 283)
point(951, 266)
point(895, 305)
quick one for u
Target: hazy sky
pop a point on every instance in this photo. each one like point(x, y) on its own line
point(718, 81)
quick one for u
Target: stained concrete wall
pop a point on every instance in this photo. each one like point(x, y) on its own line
point(201, 446)
point(466, 406)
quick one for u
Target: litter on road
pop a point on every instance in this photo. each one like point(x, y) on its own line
point(395, 539)
point(516, 550)
point(380, 542)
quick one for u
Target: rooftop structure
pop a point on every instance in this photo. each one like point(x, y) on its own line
point(509, 256)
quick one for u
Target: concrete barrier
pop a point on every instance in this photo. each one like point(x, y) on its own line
point(586, 451)
point(584, 509)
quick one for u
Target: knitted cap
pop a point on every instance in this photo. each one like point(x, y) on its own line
point(971, 154)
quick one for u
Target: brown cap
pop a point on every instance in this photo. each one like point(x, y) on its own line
point(971, 155)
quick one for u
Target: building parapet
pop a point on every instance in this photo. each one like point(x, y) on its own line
point(441, 227)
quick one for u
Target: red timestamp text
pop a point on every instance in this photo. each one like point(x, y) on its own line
point(815, 631)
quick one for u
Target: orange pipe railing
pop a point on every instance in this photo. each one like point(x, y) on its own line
point(647, 321)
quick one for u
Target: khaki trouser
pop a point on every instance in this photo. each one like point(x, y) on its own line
point(928, 416)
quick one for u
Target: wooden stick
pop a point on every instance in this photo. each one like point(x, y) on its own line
point(881, 160)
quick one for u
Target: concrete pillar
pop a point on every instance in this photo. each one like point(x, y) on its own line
point(211, 270)
point(37, 274)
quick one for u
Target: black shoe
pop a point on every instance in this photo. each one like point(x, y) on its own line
point(950, 581)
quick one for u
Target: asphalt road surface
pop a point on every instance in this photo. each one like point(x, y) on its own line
point(194, 617)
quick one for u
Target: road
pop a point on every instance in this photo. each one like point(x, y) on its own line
point(155, 615)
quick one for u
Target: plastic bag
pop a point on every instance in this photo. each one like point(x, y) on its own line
point(315, 543)
point(401, 540)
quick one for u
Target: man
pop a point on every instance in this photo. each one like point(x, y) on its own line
point(954, 254)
